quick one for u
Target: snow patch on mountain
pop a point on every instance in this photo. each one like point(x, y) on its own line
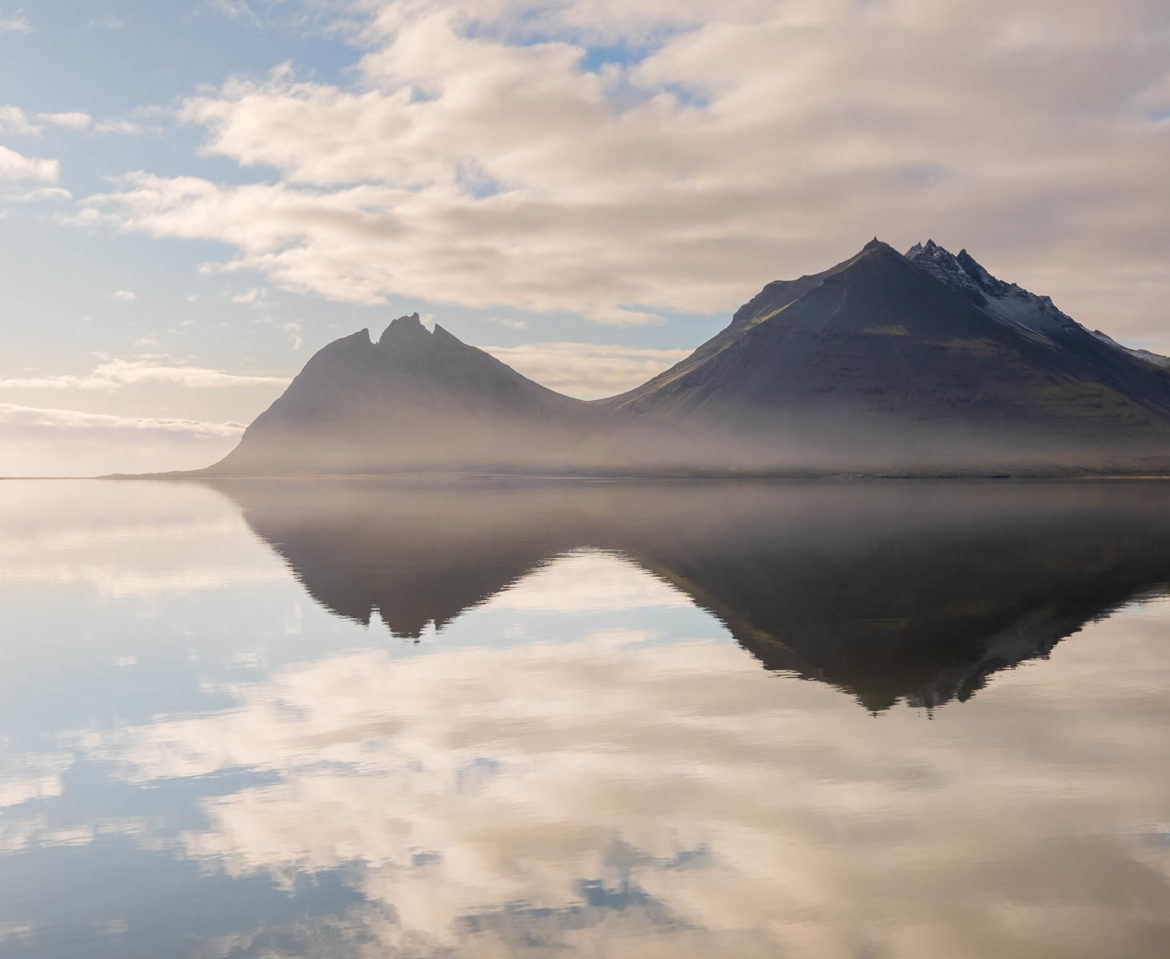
point(1008, 303)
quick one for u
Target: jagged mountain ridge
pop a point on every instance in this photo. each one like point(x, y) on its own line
point(1038, 316)
point(1006, 302)
point(884, 362)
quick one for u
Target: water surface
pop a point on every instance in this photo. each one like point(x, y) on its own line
point(367, 719)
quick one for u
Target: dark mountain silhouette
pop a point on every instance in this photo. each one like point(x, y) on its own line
point(902, 591)
point(923, 363)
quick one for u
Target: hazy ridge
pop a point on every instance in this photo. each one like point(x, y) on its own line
point(921, 363)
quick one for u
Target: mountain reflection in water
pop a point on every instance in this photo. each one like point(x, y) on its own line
point(916, 591)
point(563, 755)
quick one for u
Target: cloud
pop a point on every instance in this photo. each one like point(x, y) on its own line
point(294, 333)
point(124, 295)
point(113, 374)
point(110, 22)
point(233, 10)
point(17, 167)
point(118, 127)
point(256, 296)
point(26, 416)
point(622, 316)
point(17, 22)
point(480, 157)
point(74, 120)
point(586, 370)
point(36, 195)
point(13, 120)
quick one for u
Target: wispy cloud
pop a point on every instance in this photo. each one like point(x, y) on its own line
point(72, 120)
point(29, 416)
point(256, 296)
point(624, 316)
point(15, 122)
point(294, 334)
point(233, 10)
point(586, 370)
point(35, 195)
point(115, 374)
point(17, 22)
point(110, 22)
point(118, 127)
point(124, 295)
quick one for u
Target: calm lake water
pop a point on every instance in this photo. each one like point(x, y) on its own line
point(285, 719)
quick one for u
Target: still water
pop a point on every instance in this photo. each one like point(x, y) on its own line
point(286, 719)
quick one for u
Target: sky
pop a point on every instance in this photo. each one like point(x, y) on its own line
point(195, 195)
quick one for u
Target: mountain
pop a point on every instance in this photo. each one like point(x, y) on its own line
point(415, 399)
point(922, 363)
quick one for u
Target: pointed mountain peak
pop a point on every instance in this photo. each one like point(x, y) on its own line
point(404, 329)
point(875, 245)
point(970, 264)
point(875, 249)
point(928, 251)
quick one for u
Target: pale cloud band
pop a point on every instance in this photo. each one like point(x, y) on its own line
point(27, 416)
point(113, 374)
point(586, 370)
point(15, 122)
